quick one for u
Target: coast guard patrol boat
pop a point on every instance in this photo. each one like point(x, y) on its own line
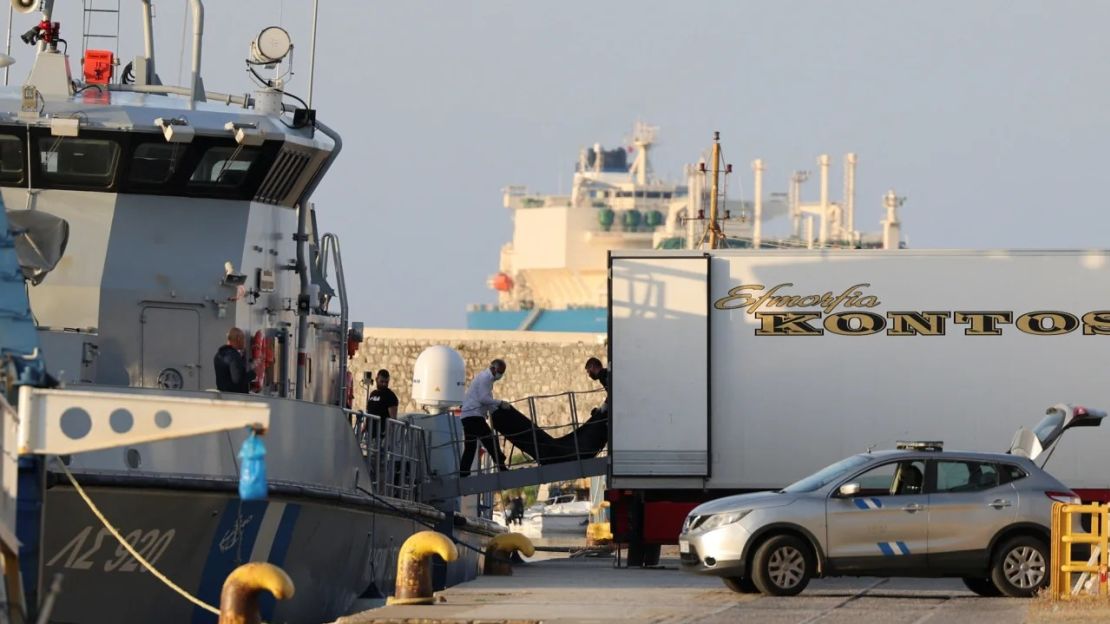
point(159, 217)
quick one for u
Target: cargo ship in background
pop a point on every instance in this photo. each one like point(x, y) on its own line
point(552, 275)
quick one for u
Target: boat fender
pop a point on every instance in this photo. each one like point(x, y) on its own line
point(414, 570)
point(239, 598)
point(252, 468)
point(500, 550)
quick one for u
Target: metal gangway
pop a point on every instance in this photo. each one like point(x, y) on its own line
point(400, 455)
point(561, 413)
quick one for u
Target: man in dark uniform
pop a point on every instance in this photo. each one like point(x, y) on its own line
point(382, 402)
point(600, 374)
point(232, 372)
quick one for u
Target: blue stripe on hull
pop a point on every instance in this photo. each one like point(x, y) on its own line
point(280, 548)
point(231, 547)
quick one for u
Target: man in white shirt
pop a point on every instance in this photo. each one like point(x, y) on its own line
point(476, 405)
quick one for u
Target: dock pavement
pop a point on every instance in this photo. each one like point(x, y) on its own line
point(564, 589)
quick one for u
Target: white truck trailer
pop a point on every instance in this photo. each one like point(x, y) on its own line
point(735, 371)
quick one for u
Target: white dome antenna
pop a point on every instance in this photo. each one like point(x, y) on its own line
point(439, 378)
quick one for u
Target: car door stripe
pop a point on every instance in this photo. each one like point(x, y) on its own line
point(893, 549)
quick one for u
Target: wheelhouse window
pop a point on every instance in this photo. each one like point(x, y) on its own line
point(77, 161)
point(111, 161)
point(155, 163)
point(224, 167)
point(12, 159)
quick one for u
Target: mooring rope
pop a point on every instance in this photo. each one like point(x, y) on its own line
point(131, 549)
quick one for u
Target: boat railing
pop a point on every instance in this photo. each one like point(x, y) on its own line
point(395, 453)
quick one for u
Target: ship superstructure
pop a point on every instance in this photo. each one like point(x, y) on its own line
point(552, 275)
point(171, 215)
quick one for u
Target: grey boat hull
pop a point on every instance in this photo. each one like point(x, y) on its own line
point(335, 551)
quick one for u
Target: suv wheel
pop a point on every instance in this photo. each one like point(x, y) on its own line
point(1020, 567)
point(781, 566)
point(740, 584)
point(982, 586)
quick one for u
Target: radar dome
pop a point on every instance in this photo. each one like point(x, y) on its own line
point(439, 378)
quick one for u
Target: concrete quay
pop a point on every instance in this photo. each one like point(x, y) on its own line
point(591, 590)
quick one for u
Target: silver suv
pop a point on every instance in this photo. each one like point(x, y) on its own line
point(915, 511)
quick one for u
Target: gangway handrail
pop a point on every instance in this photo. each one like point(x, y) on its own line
point(532, 414)
point(330, 243)
point(559, 466)
point(395, 447)
point(398, 455)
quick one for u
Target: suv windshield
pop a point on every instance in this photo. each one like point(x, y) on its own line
point(823, 477)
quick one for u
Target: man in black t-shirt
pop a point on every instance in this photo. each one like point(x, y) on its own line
point(600, 374)
point(382, 402)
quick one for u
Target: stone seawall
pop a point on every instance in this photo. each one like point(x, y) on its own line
point(539, 363)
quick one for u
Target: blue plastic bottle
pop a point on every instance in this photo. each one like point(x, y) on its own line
point(252, 468)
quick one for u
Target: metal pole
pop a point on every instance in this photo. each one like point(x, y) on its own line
point(312, 52)
point(198, 35)
point(148, 40)
point(535, 426)
point(714, 235)
point(823, 235)
point(850, 194)
point(757, 220)
point(574, 420)
point(31, 527)
point(8, 45)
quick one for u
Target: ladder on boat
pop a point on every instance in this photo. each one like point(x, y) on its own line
point(100, 24)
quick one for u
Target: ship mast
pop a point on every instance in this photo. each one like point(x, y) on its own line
point(713, 233)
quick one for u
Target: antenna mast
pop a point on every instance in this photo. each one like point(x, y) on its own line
point(713, 227)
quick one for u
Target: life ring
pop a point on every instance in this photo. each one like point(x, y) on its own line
point(262, 355)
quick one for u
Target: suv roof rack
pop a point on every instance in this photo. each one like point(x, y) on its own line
point(930, 445)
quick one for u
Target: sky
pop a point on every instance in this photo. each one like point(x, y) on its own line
point(990, 117)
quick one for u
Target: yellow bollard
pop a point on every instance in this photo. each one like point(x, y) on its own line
point(501, 548)
point(239, 598)
point(414, 574)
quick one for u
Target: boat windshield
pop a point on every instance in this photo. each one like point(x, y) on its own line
point(828, 474)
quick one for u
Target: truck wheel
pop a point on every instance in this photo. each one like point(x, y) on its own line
point(740, 584)
point(1020, 567)
point(782, 566)
point(982, 586)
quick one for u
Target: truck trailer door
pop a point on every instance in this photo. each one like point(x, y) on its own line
point(659, 331)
